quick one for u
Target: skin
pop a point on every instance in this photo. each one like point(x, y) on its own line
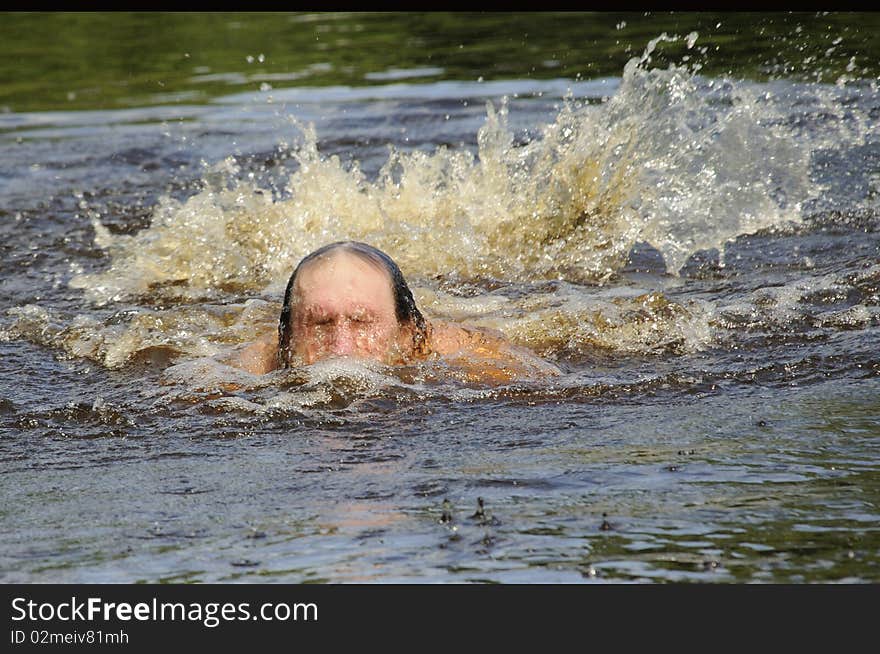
point(344, 307)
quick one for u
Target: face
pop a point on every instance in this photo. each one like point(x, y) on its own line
point(344, 306)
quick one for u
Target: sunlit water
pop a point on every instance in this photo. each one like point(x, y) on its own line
point(698, 254)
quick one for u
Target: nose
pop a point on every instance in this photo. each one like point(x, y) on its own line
point(344, 342)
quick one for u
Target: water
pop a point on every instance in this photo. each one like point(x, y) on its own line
point(680, 211)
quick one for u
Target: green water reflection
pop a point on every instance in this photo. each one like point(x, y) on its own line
point(82, 60)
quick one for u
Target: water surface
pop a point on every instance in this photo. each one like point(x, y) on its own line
point(680, 211)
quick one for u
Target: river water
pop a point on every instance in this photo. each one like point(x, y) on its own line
point(679, 211)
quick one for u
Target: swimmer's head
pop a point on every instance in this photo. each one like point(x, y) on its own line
point(349, 299)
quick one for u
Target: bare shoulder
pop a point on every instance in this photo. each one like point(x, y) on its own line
point(451, 338)
point(486, 352)
point(259, 357)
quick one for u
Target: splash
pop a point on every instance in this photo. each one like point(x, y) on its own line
point(672, 159)
point(147, 335)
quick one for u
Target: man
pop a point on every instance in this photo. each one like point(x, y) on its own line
point(349, 299)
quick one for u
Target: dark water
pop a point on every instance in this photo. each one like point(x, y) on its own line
point(680, 211)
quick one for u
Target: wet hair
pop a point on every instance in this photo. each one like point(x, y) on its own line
point(404, 305)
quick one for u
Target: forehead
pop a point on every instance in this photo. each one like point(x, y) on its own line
point(341, 281)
